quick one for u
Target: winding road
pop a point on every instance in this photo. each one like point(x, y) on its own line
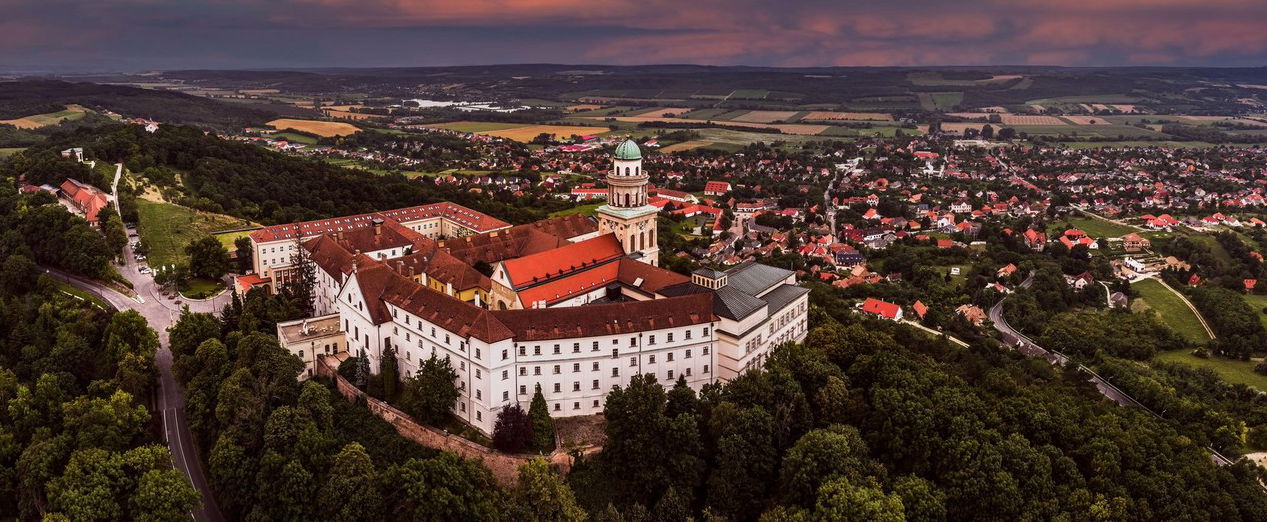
point(161, 312)
point(1027, 346)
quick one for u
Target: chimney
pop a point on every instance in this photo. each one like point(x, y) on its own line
point(378, 226)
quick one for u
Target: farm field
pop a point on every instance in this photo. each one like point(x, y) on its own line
point(72, 112)
point(1013, 119)
point(685, 145)
point(325, 129)
point(663, 112)
point(766, 116)
point(939, 101)
point(705, 114)
point(931, 78)
point(1235, 372)
point(526, 133)
point(834, 115)
point(475, 126)
point(296, 137)
point(1170, 309)
point(1087, 120)
point(167, 228)
point(750, 94)
point(786, 128)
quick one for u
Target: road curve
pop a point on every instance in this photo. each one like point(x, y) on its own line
point(161, 313)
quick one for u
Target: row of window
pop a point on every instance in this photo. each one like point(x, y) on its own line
point(576, 347)
point(594, 385)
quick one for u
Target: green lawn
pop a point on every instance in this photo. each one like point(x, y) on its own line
point(1235, 372)
point(198, 288)
point(581, 209)
point(9, 151)
point(168, 228)
point(1097, 228)
point(1258, 303)
point(228, 238)
point(296, 138)
point(1216, 248)
point(1170, 309)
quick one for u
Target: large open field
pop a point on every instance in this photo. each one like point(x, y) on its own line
point(835, 115)
point(766, 116)
point(324, 129)
point(167, 228)
point(1170, 309)
point(526, 133)
point(786, 128)
point(72, 112)
point(1259, 304)
point(475, 126)
point(1235, 372)
point(686, 145)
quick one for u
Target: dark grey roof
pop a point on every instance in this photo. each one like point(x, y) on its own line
point(708, 272)
point(782, 296)
point(732, 303)
point(754, 278)
point(685, 288)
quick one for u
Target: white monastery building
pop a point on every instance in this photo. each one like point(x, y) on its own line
point(573, 304)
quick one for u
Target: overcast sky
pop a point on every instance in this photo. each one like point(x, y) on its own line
point(131, 35)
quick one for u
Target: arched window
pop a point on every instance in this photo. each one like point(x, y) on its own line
point(626, 171)
point(636, 169)
point(626, 200)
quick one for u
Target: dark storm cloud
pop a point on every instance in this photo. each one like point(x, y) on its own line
point(138, 34)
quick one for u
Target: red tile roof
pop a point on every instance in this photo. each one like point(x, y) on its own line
point(607, 319)
point(882, 308)
point(542, 266)
point(466, 217)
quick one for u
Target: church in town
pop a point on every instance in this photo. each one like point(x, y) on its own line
point(574, 304)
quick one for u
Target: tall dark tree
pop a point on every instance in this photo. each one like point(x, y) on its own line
point(542, 423)
point(389, 373)
point(513, 431)
point(207, 258)
point(430, 394)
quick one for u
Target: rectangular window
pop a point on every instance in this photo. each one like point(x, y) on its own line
point(556, 349)
point(633, 341)
point(633, 361)
point(688, 353)
point(576, 347)
point(523, 390)
point(536, 370)
point(522, 351)
point(536, 350)
point(523, 370)
point(556, 369)
point(670, 335)
point(595, 365)
point(688, 335)
point(556, 387)
point(479, 394)
point(505, 354)
point(505, 374)
point(651, 359)
point(576, 367)
point(704, 350)
point(594, 349)
point(615, 372)
point(477, 373)
point(670, 356)
point(670, 375)
point(688, 371)
point(705, 368)
point(705, 331)
point(615, 353)
point(576, 386)
point(595, 386)
point(505, 396)
point(650, 339)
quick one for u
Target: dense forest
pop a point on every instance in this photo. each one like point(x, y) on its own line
point(251, 182)
point(277, 449)
point(78, 438)
point(871, 421)
point(29, 97)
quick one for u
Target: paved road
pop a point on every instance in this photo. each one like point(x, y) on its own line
point(162, 312)
point(1027, 346)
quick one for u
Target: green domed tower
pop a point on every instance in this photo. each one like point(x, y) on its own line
point(627, 213)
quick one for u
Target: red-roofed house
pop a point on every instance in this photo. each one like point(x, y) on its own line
point(716, 188)
point(87, 198)
point(883, 309)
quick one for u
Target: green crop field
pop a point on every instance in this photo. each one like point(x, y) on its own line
point(478, 126)
point(1232, 371)
point(297, 138)
point(704, 114)
point(1170, 309)
point(168, 228)
point(750, 94)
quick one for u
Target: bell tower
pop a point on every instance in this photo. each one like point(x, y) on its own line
point(627, 213)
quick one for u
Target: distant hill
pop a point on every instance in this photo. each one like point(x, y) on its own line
point(28, 97)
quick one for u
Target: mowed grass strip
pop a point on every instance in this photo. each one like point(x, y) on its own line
point(1232, 371)
point(1171, 310)
point(168, 228)
point(1097, 228)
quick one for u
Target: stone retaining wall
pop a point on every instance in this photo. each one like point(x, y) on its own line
point(505, 466)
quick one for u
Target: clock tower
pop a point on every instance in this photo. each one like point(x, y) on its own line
point(627, 213)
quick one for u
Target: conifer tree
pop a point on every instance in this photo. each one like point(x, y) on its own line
point(542, 424)
point(362, 370)
point(389, 371)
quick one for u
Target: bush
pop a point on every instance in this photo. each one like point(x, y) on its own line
point(513, 432)
point(1261, 367)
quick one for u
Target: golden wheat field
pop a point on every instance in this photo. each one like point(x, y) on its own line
point(526, 133)
point(324, 129)
point(686, 145)
point(765, 116)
